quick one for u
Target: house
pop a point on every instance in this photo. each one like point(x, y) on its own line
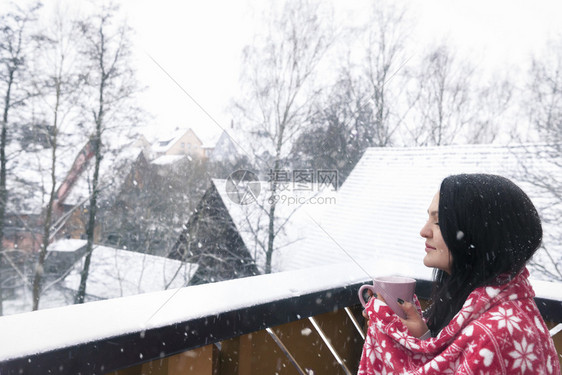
point(78, 166)
point(211, 240)
point(118, 171)
point(28, 183)
point(62, 255)
point(22, 232)
point(228, 234)
point(220, 147)
point(29, 186)
point(377, 213)
point(180, 142)
point(223, 148)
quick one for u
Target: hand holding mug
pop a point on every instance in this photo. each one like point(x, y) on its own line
point(391, 288)
point(398, 293)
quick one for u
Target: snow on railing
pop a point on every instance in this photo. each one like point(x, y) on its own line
point(98, 337)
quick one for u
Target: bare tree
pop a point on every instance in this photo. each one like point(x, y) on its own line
point(546, 91)
point(59, 93)
point(112, 82)
point(279, 85)
point(443, 98)
point(543, 101)
point(341, 129)
point(364, 107)
point(13, 36)
point(493, 103)
point(383, 69)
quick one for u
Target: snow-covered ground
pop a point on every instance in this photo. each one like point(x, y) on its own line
point(113, 273)
point(119, 273)
point(51, 298)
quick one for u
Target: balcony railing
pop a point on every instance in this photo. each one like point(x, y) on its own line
point(301, 322)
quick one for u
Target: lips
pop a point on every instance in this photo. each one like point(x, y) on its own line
point(428, 248)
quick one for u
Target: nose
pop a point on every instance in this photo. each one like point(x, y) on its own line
point(425, 232)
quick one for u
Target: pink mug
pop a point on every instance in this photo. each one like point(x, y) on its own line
point(391, 288)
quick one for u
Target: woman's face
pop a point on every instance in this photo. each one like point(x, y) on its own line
point(437, 254)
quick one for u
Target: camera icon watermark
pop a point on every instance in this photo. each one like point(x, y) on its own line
point(243, 187)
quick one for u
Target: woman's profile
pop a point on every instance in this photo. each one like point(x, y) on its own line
point(481, 231)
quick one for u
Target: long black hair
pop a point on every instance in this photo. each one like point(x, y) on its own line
point(491, 228)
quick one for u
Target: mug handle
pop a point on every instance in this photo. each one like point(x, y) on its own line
point(360, 293)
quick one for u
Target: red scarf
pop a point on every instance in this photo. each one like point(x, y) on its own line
point(499, 330)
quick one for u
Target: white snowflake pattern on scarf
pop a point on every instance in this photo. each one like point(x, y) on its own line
point(499, 330)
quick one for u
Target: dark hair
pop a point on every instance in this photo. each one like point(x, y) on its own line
point(491, 228)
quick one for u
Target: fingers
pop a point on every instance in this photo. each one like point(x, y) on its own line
point(413, 321)
point(408, 308)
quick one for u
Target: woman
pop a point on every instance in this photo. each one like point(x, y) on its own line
point(481, 231)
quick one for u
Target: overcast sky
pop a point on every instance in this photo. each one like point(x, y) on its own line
point(199, 44)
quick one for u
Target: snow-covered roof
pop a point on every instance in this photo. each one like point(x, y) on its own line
point(166, 142)
point(382, 205)
point(226, 148)
point(252, 220)
point(66, 245)
point(29, 171)
point(118, 273)
point(211, 140)
point(29, 174)
point(168, 159)
point(113, 170)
